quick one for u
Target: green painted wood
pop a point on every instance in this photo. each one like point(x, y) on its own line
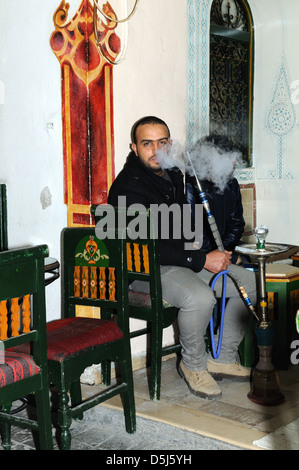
point(65, 374)
point(21, 270)
point(158, 314)
point(284, 320)
point(3, 218)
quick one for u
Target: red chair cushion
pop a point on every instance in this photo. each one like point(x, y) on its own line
point(16, 366)
point(71, 335)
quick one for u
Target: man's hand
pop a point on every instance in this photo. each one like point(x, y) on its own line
point(217, 261)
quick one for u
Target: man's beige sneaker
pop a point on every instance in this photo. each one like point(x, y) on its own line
point(228, 371)
point(201, 383)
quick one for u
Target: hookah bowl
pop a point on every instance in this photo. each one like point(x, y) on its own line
point(265, 388)
point(260, 234)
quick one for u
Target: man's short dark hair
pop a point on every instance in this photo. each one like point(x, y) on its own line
point(146, 120)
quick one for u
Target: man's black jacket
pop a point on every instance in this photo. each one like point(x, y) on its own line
point(140, 185)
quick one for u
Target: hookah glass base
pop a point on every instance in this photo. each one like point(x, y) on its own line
point(265, 388)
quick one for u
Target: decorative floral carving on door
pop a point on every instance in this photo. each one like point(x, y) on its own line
point(87, 107)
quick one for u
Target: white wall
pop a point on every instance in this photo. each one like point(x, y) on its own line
point(30, 150)
point(151, 80)
point(276, 39)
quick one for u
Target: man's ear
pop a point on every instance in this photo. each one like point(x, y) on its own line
point(134, 148)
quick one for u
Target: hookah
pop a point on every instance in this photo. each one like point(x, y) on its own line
point(219, 244)
point(265, 388)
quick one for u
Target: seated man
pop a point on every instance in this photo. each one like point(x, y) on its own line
point(185, 273)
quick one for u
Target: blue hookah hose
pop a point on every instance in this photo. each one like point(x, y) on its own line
point(223, 299)
point(219, 244)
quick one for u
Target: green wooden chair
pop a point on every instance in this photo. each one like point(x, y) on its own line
point(93, 275)
point(143, 264)
point(23, 320)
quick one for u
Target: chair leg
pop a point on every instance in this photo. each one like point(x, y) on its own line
point(128, 395)
point(64, 416)
point(106, 372)
point(76, 396)
point(106, 365)
point(6, 429)
point(43, 413)
point(156, 362)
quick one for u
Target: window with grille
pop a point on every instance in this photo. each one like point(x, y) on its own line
point(231, 72)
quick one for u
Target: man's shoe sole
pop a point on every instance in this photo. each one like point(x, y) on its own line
point(196, 392)
point(219, 376)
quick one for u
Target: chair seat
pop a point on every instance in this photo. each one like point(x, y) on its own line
point(17, 366)
point(69, 336)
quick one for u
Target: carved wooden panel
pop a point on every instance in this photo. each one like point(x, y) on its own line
point(87, 108)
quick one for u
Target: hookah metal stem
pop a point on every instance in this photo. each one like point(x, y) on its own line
point(218, 240)
point(211, 218)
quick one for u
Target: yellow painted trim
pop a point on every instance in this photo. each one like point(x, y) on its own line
point(80, 208)
point(280, 279)
point(67, 111)
point(108, 126)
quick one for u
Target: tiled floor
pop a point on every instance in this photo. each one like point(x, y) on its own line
point(233, 419)
point(182, 421)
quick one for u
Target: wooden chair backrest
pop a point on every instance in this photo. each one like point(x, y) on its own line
point(93, 272)
point(143, 258)
point(22, 296)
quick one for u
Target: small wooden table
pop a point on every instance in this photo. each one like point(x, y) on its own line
point(282, 285)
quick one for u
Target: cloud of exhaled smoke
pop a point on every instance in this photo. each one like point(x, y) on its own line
point(173, 155)
point(207, 160)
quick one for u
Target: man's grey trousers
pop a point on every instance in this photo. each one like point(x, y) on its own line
point(191, 293)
